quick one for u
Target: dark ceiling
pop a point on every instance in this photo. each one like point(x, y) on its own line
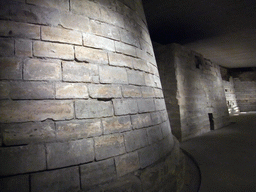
point(222, 30)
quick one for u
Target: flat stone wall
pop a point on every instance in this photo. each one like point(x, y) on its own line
point(195, 94)
point(81, 98)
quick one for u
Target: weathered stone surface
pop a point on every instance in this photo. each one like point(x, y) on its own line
point(69, 153)
point(61, 35)
point(131, 91)
point(31, 90)
point(58, 180)
point(96, 173)
point(111, 17)
point(6, 47)
point(22, 111)
point(147, 92)
point(149, 80)
point(154, 134)
point(71, 90)
point(125, 49)
point(158, 92)
point(22, 159)
point(79, 72)
point(148, 155)
point(23, 48)
point(129, 38)
point(166, 128)
point(93, 108)
point(146, 105)
point(120, 60)
point(87, 8)
point(104, 91)
point(36, 69)
point(156, 117)
point(63, 4)
point(135, 77)
point(53, 50)
point(11, 184)
point(125, 106)
point(105, 30)
point(135, 139)
point(90, 40)
point(78, 129)
point(141, 65)
point(112, 75)
point(91, 55)
point(21, 30)
point(25, 133)
point(10, 68)
point(141, 120)
point(127, 163)
point(109, 146)
point(116, 124)
point(160, 104)
point(4, 90)
point(157, 82)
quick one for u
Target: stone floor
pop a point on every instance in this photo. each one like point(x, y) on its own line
point(227, 156)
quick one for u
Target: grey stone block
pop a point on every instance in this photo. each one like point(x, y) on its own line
point(146, 105)
point(141, 120)
point(110, 74)
point(148, 155)
point(154, 134)
point(91, 55)
point(93, 108)
point(94, 41)
point(141, 65)
point(127, 163)
point(104, 91)
point(25, 133)
point(129, 38)
point(6, 47)
point(125, 106)
point(135, 139)
point(135, 77)
point(78, 129)
point(120, 60)
point(156, 118)
point(109, 146)
point(10, 68)
point(125, 49)
point(58, 180)
point(22, 159)
point(147, 92)
point(95, 173)
point(12, 184)
point(105, 30)
point(111, 17)
point(63, 5)
point(116, 124)
point(4, 89)
point(87, 8)
point(131, 91)
point(166, 128)
point(69, 153)
point(23, 48)
point(160, 104)
point(71, 90)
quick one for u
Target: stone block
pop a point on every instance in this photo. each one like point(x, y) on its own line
point(91, 55)
point(37, 69)
point(31, 90)
point(111, 17)
point(156, 117)
point(25, 133)
point(10, 68)
point(69, 153)
point(4, 90)
point(146, 105)
point(158, 93)
point(135, 139)
point(23, 48)
point(116, 124)
point(110, 74)
point(104, 91)
point(58, 180)
point(61, 35)
point(135, 77)
point(63, 4)
point(157, 82)
point(78, 129)
point(6, 47)
point(141, 120)
point(94, 41)
point(141, 65)
point(87, 8)
point(93, 108)
point(79, 72)
point(23, 111)
point(108, 146)
point(11, 184)
point(149, 80)
point(105, 30)
point(127, 163)
point(129, 38)
point(120, 60)
point(22, 159)
point(148, 155)
point(166, 128)
point(160, 104)
point(71, 90)
point(53, 50)
point(20, 30)
point(147, 92)
point(131, 91)
point(125, 106)
point(154, 134)
point(125, 49)
point(98, 172)
point(164, 115)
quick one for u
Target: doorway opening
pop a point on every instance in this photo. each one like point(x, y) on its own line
point(210, 115)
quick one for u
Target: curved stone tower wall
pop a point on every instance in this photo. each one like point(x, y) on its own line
point(81, 99)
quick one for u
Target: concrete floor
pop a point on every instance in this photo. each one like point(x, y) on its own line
point(227, 156)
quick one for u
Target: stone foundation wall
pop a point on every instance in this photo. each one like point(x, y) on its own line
point(81, 98)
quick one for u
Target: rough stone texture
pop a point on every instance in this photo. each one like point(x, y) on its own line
point(6, 47)
point(4, 90)
point(135, 77)
point(148, 155)
point(135, 140)
point(11, 184)
point(125, 106)
point(110, 74)
point(23, 48)
point(93, 108)
point(154, 134)
point(75, 152)
point(63, 4)
point(131, 91)
point(71, 90)
point(141, 120)
point(116, 124)
point(120, 60)
point(58, 180)
point(146, 105)
point(91, 55)
point(10, 68)
point(22, 159)
point(90, 40)
point(104, 91)
point(105, 30)
point(109, 146)
point(125, 49)
point(25, 133)
point(147, 92)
